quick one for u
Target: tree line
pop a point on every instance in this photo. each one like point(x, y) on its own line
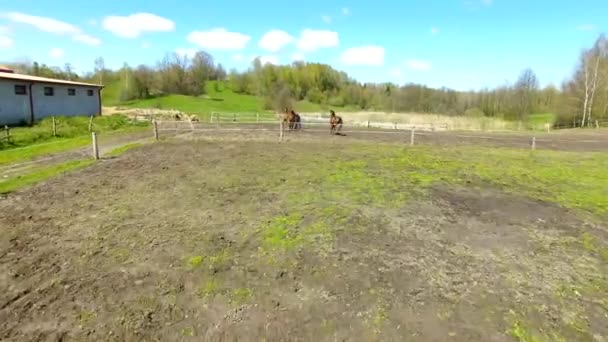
point(580, 100)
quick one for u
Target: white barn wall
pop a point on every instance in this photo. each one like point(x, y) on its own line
point(14, 109)
point(61, 104)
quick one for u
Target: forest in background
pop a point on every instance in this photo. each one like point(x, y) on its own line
point(580, 100)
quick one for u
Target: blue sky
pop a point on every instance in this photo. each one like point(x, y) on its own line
point(462, 44)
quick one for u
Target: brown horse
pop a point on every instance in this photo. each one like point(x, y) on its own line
point(336, 123)
point(293, 119)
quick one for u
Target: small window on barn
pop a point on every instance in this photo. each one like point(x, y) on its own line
point(90, 92)
point(49, 91)
point(20, 89)
point(71, 91)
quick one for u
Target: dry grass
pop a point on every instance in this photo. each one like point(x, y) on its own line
point(452, 122)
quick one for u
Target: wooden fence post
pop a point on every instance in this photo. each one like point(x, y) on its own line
point(533, 144)
point(54, 126)
point(95, 147)
point(280, 131)
point(412, 134)
point(597, 124)
point(8, 134)
point(234, 117)
point(155, 126)
point(91, 124)
point(394, 125)
point(257, 117)
point(367, 123)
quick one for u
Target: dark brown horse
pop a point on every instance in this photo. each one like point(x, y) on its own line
point(292, 119)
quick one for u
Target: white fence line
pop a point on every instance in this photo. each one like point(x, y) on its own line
point(305, 123)
point(405, 133)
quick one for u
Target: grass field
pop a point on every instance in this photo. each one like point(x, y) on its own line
point(214, 100)
point(224, 100)
point(360, 241)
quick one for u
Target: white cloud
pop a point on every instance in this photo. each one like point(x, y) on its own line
point(4, 30)
point(363, 55)
point(219, 39)
point(312, 40)
point(53, 26)
point(5, 42)
point(586, 27)
point(56, 53)
point(42, 23)
point(345, 11)
point(146, 45)
point(134, 25)
point(297, 57)
point(326, 19)
point(186, 52)
point(238, 57)
point(418, 65)
point(275, 40)
point(435, 30)
point(85, 38)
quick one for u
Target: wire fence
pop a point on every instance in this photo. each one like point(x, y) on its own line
point(581, 140)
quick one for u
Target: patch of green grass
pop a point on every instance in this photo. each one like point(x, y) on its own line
point(30, 152)
point(219, 260)
point(280, 233)
point(588, 242)
point(379, 318)
point(195, 261)
point(523, 334)
point(40, 174)
point(284, 234)
point(120, 254)
point(604, 254)
point(209, 289)
point(573, 180)
point(538, 121)
point(240, 296)
point(591, 244)
point(122, 149)
point(187, 332)
point(86, 316)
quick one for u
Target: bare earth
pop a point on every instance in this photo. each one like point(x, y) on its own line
point(219, 240)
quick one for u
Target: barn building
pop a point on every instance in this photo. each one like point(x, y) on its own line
point(25, 99)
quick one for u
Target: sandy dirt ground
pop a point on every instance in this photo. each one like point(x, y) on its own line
point(224, 239)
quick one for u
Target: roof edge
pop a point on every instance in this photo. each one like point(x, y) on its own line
point(38, 79)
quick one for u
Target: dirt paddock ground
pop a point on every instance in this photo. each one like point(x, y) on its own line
point(223, 239)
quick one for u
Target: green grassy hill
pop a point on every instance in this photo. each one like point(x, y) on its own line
point(221, 99)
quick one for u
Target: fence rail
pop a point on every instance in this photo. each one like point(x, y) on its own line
point(5, 134)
